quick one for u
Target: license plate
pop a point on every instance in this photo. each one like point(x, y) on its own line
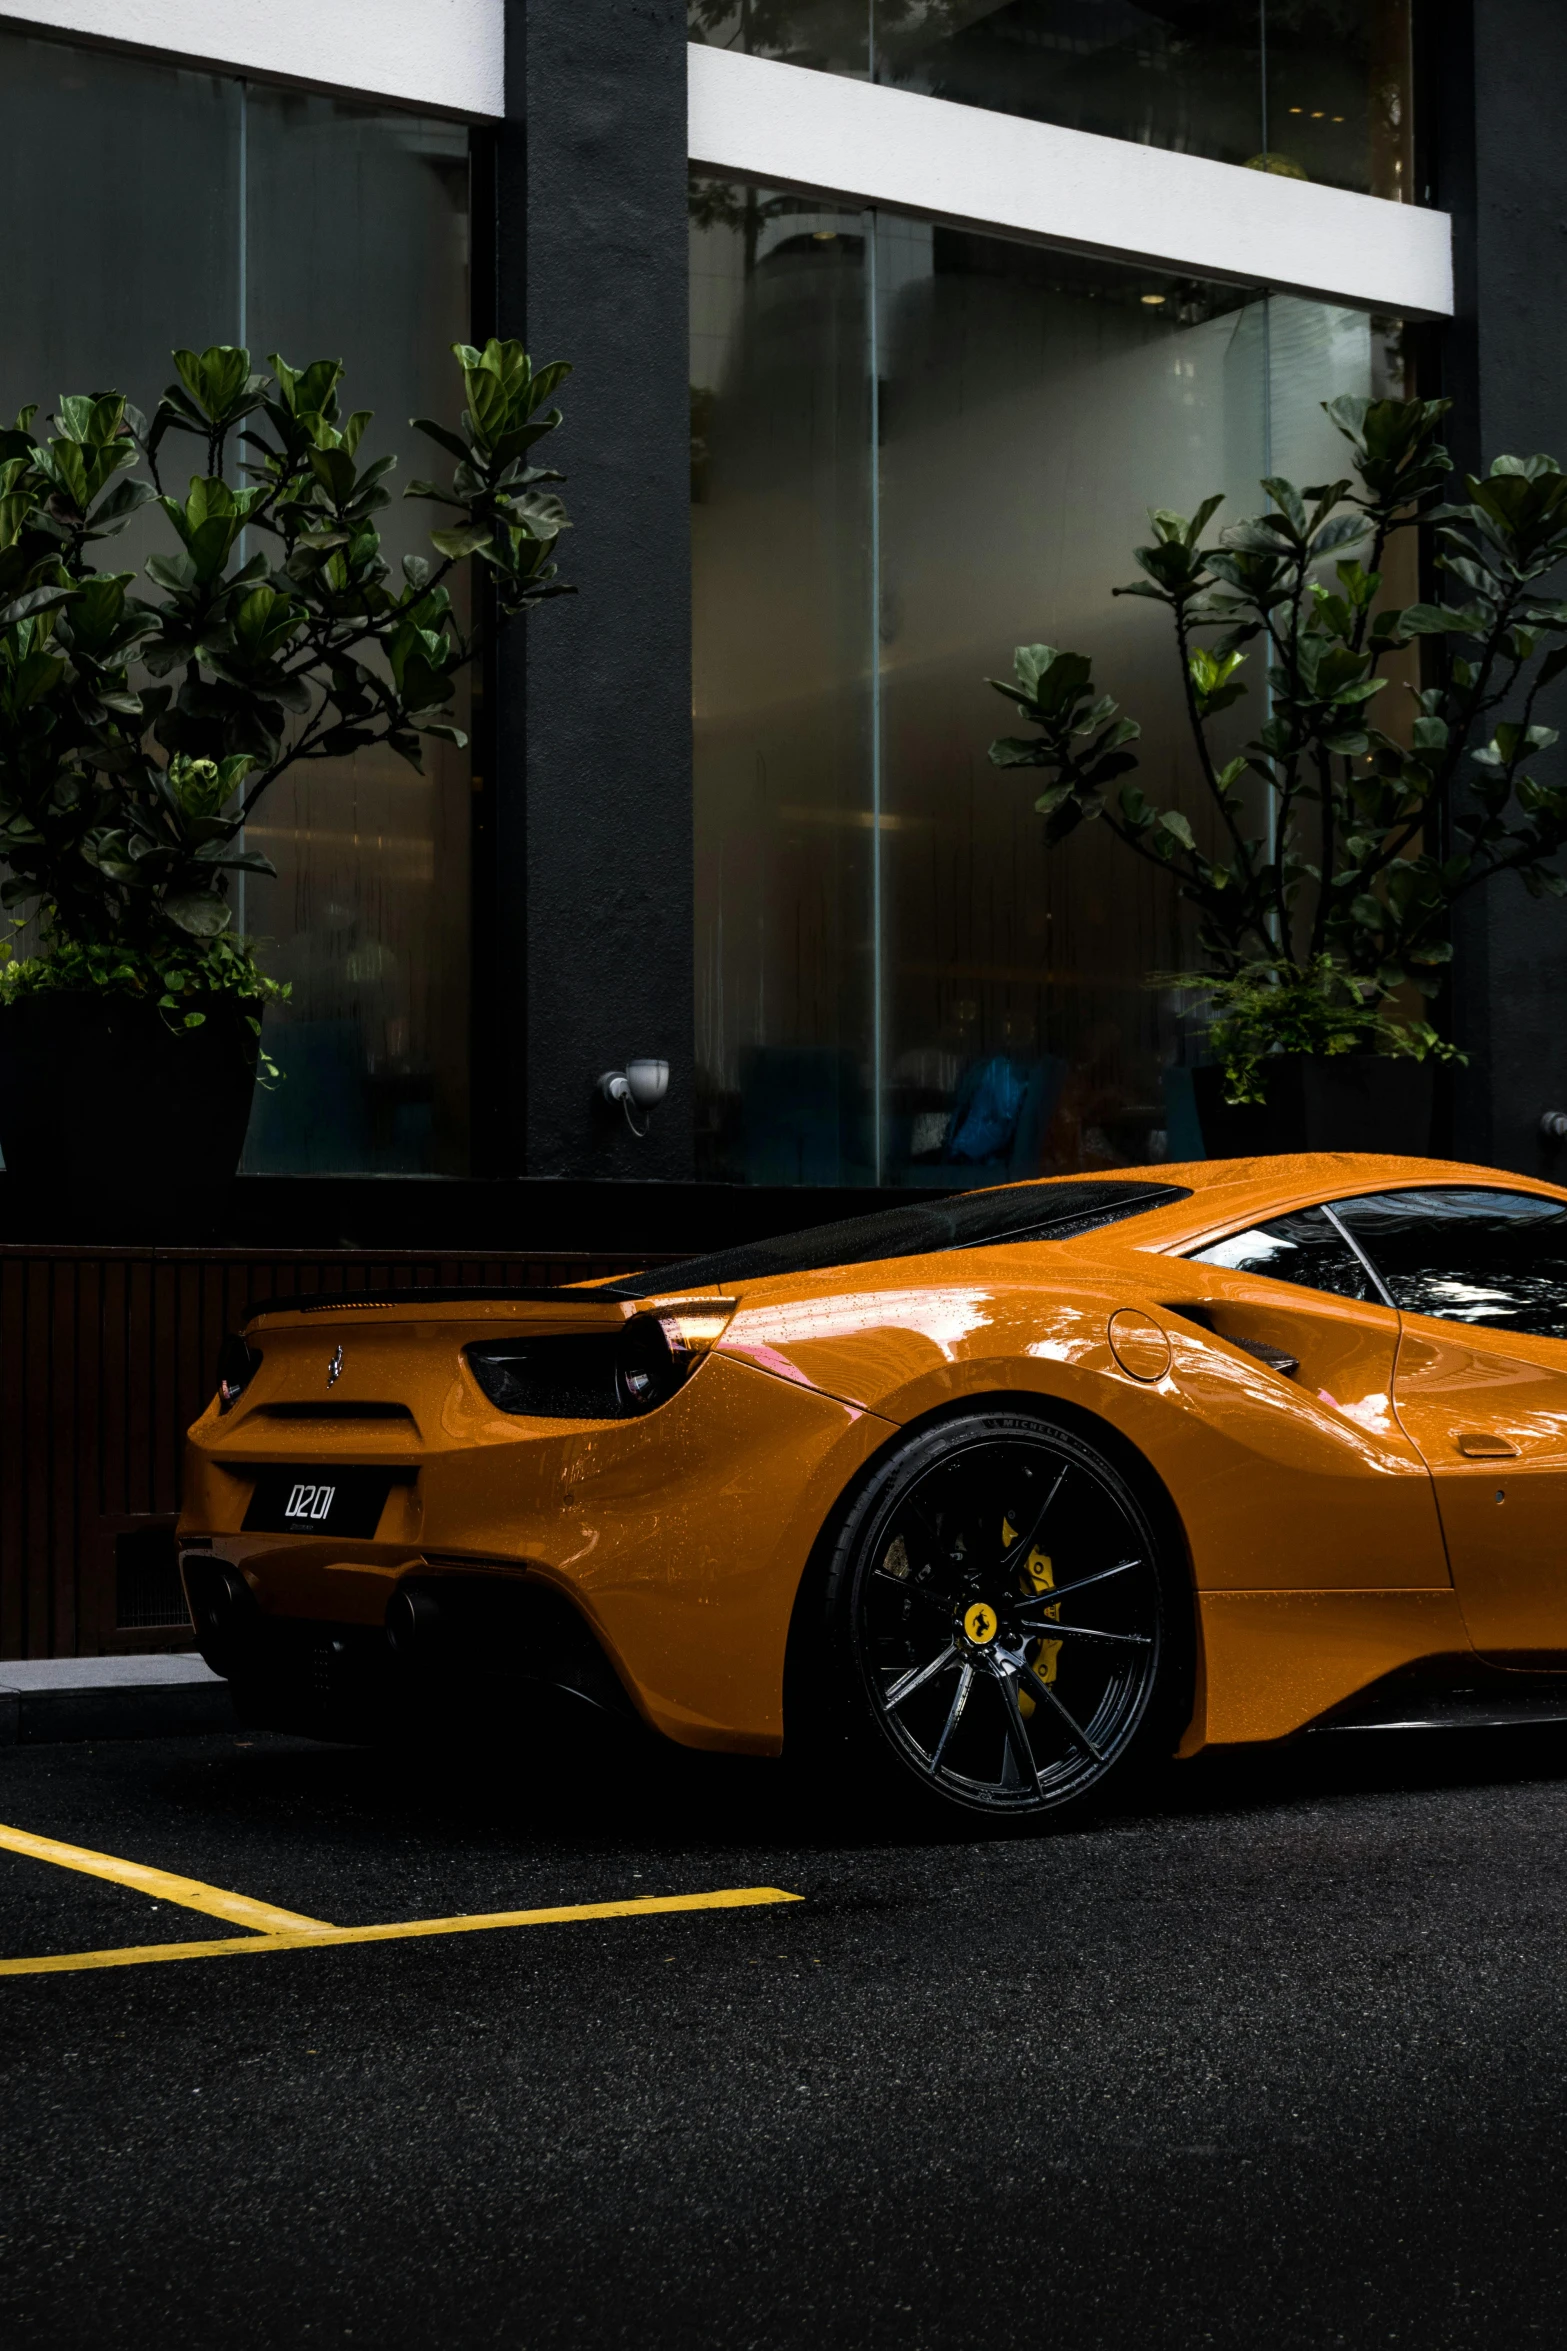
point(318, 1502)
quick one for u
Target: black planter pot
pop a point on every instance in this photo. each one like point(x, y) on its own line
point(97, 1091)
point(1353, 1102)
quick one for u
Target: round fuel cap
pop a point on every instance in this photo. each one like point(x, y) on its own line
point(1138, 1344)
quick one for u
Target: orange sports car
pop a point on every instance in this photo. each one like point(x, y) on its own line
point(1000, 1493)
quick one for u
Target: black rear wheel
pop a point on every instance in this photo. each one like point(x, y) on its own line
point(1004, 1624)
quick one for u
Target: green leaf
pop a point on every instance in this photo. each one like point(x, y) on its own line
point(451, 441)
point(37, 600)
point(1434, 620)
point(465, 540)
point(334, 469)
point(199, 914)
point(217, 380)
point(1030, 663)
point(1342, 531)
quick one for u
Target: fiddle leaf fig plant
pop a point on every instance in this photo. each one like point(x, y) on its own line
point(142, 719)
point(1344, 832)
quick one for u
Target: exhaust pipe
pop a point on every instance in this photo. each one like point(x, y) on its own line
point(415, 1622)
point(223, 1610)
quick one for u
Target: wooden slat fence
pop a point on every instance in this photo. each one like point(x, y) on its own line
point(106, 1357)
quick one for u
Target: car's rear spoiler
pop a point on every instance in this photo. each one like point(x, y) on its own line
point(349, 1301)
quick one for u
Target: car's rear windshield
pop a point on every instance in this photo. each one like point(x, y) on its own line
point(965, 1220)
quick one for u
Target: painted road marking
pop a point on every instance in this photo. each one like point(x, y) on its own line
point(313, 1938)
point(188, 1893)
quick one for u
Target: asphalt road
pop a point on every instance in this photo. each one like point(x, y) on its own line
point(1280, 2058)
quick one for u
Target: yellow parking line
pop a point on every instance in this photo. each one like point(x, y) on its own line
point(236, 1947)
point(189, 1893)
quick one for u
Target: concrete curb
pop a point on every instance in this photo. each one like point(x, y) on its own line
point(47, 1699)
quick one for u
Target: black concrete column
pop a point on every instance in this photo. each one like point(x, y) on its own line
point(585, 831)
point(1495, 69)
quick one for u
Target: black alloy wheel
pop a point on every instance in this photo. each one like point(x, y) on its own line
point(1006, 1625)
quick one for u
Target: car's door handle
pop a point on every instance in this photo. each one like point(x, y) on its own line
point(1480, 1447)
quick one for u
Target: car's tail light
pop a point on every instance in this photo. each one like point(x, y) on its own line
point(659, 1351)
point(601, 1375)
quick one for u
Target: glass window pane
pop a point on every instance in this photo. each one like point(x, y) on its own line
point(1339, 94)
point(1303, 1248)
point(1034, 407)
point(357, 249)
point(782, 707)
point(294, 224)
point(1467, 1254)
point(1310, 89)
point(1160, 72)
point(896, 980)
point(132, 245)
point(1316, 351)
point(164, 159)
point(117, 257)
point(831, 34)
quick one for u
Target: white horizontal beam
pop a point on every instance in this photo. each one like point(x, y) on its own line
point(446, 55)
point(790, 127)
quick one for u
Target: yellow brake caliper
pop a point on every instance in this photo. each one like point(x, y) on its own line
point(1038, 1576)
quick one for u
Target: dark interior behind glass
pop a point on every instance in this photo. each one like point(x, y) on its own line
point(1306, 1248)
point(1467, 1254)
point(1308, 89)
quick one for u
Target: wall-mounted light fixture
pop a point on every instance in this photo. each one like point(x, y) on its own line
point(639, 1086)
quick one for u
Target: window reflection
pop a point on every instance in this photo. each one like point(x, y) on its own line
point(1338, 85)
point(782, 703)
point(833, 35)
point(155, 176)
point(1033, 408)
point(369, 912)
point(307, 226)
point(895, 982)
point(1169, 75)
point(1304, 1248)
point(1310, 89)
point(1466, 1254)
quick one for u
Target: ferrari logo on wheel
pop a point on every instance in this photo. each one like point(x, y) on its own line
point(980, 1624)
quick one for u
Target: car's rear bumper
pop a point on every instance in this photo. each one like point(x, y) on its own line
point(480, 1650)
point(675, 1545)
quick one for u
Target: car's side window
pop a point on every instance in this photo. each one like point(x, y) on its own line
point(1306, 1248)
point(1467, 1253)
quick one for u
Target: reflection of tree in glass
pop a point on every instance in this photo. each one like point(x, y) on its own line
point(1182, 74)
point(730, 204)
point(703, 399)
point(833, 35)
